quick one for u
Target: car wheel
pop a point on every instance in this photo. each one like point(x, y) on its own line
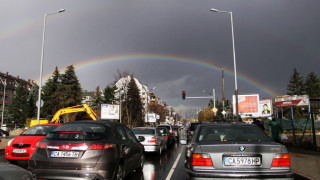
point(120, 173)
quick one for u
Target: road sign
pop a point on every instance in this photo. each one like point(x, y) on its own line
point(37, 103)
point(215, 110)
point(223, 112)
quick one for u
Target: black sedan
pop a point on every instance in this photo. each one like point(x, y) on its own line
point(236, 150)
point(87, 150)
point(10, 171)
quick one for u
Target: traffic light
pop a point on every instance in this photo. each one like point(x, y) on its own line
point(183, 95)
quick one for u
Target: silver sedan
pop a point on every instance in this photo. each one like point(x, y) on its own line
point(153, 139)
point(235, 151)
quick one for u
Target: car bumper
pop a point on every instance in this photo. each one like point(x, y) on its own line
point(240, 175)
point(72, 174)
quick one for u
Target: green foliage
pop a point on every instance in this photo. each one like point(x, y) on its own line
point(296, 84)
point(109, 94)
point(312, 85)
point(97, 99)
point(70, 89)
point(50, 94)
point(18, 109)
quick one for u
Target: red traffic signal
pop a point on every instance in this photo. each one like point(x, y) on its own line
point(183, 95)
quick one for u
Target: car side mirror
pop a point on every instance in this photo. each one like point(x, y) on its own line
point(141, 138)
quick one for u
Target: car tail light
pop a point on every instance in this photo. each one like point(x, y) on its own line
point(101, 146)
point(153, 140)
point(280, 160)
point(166, 137)
point(201, 160)
point(41, 145)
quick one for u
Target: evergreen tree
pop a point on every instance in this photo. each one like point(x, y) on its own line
point(50, 94)
point(32, 100)
point(134, 105)
point(97, 99)
point(18, 109)
point(296, 85)
point(109, 94)
point(312, 85)
point(70, 89)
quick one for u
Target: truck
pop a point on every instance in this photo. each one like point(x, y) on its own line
point(73, 109)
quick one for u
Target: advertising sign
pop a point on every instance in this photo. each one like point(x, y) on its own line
point(248, 104)
point(289, 101)
point(151, 118)
point(265, 107)
point(109, 111)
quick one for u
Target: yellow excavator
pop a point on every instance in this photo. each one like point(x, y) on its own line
point(73, 109)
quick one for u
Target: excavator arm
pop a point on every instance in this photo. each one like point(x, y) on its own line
point(74, 109)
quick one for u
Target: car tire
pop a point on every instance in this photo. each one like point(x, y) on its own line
point(119, 173)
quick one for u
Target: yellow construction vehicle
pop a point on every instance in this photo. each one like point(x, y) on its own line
point(73, 109)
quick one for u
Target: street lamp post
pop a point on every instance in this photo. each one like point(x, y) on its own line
point(4, 82)
point(234, 61)
point(41, 61)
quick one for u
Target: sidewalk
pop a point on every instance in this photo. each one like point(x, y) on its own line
point(305, 162)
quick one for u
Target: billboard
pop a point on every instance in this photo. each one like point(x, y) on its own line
point(265, 107)
point(110, 111)
point(289, 101)
point(151, 118)
point(248, 104)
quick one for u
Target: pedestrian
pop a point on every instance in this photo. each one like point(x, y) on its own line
point(258, 123)
point(275, 130)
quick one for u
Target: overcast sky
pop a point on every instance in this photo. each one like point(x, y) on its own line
point(172, 45)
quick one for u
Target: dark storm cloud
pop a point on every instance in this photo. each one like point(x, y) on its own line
point(271, 38)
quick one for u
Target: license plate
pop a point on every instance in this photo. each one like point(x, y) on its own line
point(19, 150)
point(242, 161)
point(67, 154)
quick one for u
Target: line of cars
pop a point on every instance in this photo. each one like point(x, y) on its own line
point(87, 149)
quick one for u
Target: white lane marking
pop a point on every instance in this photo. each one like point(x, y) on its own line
point(174, 165)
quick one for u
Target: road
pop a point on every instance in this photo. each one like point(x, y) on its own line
point(170, 165)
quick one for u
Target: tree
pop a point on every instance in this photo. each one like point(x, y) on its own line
point(296, 85)
point(97, 99)
point(158, 109)
point(134, 105)
point(312, 85)
point(18, 109)
point(32, 100)
point(69, 92)
point(109, 94)
point(50, 94)
point(70, 89)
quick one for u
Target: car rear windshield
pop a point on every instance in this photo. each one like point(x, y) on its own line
point(143, 131)
point(85, 131)
point(227, 133)
point(41, 130)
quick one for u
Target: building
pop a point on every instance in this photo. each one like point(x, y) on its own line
point(8, 84)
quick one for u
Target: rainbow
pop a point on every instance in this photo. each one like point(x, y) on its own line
point(169, 58)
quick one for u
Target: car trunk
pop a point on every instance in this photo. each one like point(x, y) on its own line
point(241, 156)
point(70, 155)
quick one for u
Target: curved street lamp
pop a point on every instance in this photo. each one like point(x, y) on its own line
point(41, 61)
point(234, 61)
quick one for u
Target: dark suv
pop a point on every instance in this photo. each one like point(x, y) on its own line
point(87, 150)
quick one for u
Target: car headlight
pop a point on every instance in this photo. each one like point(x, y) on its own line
point(9, 142)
